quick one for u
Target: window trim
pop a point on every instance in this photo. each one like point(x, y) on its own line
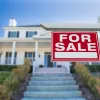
point(17, 34)
point(8, 53)
point(27, 34)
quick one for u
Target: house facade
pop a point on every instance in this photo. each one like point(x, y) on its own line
point(30, 41)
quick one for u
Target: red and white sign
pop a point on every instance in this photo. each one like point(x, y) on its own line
point(75, 46)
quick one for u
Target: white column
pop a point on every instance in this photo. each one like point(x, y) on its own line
point(36, 49)
point(36, 55)
point(13, 52)
point(90, 63)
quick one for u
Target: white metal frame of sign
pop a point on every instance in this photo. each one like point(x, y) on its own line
point(89, 40)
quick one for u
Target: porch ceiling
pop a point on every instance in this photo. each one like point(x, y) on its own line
point(24, 44)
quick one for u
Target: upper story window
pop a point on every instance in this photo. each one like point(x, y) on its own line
point(30, 33)
point(13, 34)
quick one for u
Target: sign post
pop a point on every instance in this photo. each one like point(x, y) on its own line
point(75, 46)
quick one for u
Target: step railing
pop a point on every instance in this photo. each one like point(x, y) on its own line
point(35, 64)
point(68, 68)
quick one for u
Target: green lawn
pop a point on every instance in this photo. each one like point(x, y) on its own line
point(3, 76)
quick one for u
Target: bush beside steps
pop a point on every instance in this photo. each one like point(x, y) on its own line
point(93, 83)
point(12, 82)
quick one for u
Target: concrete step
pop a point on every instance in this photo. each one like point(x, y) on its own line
point(51, 70)
point(79, 98)
point(52, 88)
point(53, 94)
point(51, 75)
point(52, 78)
point(71, 82)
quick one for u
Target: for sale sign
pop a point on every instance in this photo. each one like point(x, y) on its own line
point(75, 46)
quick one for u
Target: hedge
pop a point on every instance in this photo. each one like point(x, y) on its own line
point(3, 76)
point(72, 70)
point(11, 67)
point(93, 68)
point(7, 67)
point(90, 81)
point(12, 82)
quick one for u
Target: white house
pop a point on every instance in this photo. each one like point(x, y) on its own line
point(33, 42)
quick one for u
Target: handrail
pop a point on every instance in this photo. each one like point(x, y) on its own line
point(34, 65)
point(68, 68)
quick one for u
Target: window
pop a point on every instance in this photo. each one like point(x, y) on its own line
point(9, 56)
point(30, 33)
point(13, 34)
point(30, 56)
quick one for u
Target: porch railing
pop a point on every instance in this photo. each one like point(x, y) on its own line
point(35, 64)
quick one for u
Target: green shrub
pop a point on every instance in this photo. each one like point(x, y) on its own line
point(3, 76)
point(72, 69)
point(27, 64)
point(4, 95)
point(7, 67)
point(11, 83)
point(94, 68)
point(92, 82)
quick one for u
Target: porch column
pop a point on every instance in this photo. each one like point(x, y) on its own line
point(13, 52)
point(90, 63)
point(36, 54)
point(36, 49)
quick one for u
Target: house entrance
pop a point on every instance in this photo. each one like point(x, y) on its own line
point(47, 60)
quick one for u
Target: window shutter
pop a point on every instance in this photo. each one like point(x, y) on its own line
point(15, 54)
point(17, 33)
point(25, 54)
point(9, 34)
point(27, 34)
point(6, 54)
point(33, 54)
point(35, 32)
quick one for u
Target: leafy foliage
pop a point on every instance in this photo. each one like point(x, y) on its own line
point(7, 67)
point(3, 76)
point(92, 82)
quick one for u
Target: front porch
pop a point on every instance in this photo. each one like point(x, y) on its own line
point(38, 51)
point(14, 53)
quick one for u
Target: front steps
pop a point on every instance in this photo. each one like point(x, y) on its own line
point(51, 70)
point(52, 86)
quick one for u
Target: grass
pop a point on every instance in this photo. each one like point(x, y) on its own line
point(3, 76)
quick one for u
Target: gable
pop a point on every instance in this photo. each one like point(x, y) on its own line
point(46, 34)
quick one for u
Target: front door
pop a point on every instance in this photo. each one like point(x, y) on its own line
point(49, 63)
point(47, 60)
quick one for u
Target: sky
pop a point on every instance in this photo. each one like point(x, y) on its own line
point(30, 12)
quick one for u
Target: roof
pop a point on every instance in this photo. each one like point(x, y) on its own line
point(29, 26)
point(62, 27)
point(71, 27)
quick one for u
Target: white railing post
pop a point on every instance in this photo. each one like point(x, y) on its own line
point(68, 68)
point(90, 63)
point(13, 52)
